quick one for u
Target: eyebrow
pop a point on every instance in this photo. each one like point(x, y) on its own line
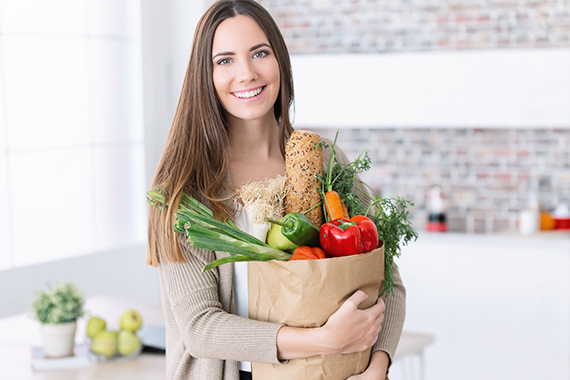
point(251, 49)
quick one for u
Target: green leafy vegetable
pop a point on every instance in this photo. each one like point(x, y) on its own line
point(156, 198)
point(389, 214)
point(394, 228)
point(195, 220)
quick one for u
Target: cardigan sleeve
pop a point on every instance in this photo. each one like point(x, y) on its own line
point(393, 318)
point(395, 303)
point(206, 329)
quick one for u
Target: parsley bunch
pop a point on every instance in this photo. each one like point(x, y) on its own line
point(394, 229)
point(389, 214)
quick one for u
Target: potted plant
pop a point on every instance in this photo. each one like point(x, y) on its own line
point(57, 309)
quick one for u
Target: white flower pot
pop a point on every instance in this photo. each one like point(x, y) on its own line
point(58, 339)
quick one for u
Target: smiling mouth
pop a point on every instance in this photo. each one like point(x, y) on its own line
point(248, 94)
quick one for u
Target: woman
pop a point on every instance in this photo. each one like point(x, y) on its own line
point(230, 127)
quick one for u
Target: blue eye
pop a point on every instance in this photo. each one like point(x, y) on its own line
point(260, 54)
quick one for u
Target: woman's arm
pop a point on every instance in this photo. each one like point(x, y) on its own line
point(209, 331)
point(200, 320)
point(348, 330)
point(394, 318)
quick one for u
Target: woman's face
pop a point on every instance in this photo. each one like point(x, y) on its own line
point(245, 69)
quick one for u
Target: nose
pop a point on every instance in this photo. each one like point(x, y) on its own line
point(247, 72)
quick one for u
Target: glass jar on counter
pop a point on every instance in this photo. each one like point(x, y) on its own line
point(547, 202)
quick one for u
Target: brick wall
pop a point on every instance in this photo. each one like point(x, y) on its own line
point(485, 174)
point(365, 26)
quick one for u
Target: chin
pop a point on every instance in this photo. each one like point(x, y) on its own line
point(253, 116)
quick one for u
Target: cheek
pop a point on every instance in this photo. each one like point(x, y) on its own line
point(275, 77)
point(276, 74)
point(220, 82)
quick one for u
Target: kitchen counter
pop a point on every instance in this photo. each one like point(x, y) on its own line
point(19, 333)
point(498, 305)
point(546, 239)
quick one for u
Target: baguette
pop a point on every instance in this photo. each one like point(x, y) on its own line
point(303, 166)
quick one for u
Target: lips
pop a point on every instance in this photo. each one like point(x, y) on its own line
point(248, 94)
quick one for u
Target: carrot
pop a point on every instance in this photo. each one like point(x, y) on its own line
point(333, 205)
point(344, 210)
point(308, 253)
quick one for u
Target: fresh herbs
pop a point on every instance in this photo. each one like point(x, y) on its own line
point(389, 214)
point(394, 228)
point(343, 178)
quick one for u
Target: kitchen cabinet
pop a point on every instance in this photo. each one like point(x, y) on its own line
point(498, 306)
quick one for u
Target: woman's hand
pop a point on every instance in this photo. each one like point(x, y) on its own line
point(376, 369)
point(350, 329)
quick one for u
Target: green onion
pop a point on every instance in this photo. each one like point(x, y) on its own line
point(203, 231)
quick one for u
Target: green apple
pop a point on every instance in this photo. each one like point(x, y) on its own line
point(94, 326)
point(130, 320)
point(277, 240)
point(115, 333)
point(105, 343)
point(128, 342)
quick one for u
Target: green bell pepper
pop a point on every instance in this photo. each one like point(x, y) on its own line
point(299, 229)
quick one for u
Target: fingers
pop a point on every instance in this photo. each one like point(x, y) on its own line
point(379, 326)
point(374, 340)
point(356, 329)
point(382, 308)
point(376, 310)
point(375, 320)
point(357, 298)
point(375, 313)
point(379, 319)
point(380, 303)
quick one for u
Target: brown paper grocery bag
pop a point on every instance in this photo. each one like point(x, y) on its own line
point(305, 293)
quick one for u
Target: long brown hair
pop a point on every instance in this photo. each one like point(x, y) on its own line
point(196, 155)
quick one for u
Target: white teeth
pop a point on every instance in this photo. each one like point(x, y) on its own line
point(248, 94)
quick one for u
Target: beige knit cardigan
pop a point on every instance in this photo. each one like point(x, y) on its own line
point(205, 339)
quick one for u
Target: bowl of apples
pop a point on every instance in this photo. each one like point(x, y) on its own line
point(106, 344)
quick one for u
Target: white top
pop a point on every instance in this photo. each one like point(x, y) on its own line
point(240, 278)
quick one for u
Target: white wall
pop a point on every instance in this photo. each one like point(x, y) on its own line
point(120, 272)
point(477, 88)
point(167, 31)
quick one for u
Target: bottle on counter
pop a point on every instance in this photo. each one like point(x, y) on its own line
point(437, 221)
point(547, 201)
point(561, 217)
point(529, 217)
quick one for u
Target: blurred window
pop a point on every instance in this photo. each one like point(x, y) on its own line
point(71, 129)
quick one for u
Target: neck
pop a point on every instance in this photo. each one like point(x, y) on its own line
point(254, 138)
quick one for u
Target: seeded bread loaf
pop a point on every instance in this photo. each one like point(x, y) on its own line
point(303, 165)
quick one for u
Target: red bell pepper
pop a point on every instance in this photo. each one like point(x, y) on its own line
point(307, 253)
point(345, 237)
